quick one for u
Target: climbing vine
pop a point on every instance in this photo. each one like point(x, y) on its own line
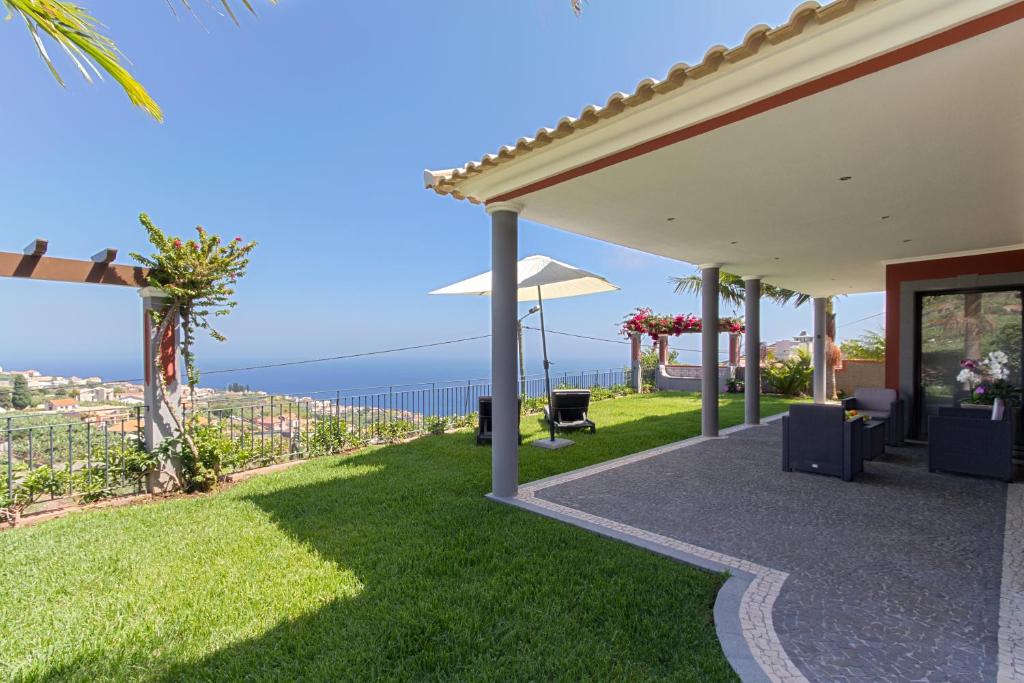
point(198, 278)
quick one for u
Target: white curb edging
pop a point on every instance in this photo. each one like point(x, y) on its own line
point(1011, 590)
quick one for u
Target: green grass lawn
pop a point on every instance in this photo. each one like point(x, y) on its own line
point(389, 564)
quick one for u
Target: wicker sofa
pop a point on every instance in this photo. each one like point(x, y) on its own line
point(970, 442)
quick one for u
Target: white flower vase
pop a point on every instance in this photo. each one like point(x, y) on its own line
point(998, 409)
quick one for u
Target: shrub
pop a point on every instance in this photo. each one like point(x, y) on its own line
point(327, 438)
point(393, 431)
point(791, 376)
point(37, 483)
point(534, 405)
point(214, 451)
point(91, 484)
point(463, 421)
point(869, 346)
point(136, 462)
point(649, 358)
point(436, 425)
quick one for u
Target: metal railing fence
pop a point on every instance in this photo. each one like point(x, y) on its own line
point(88, 454)
point(97, 451)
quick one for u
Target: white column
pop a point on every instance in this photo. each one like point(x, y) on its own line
point(504, 380)
point(160, 353)
point(752, 350)
point(709, 349)
point(819, 350)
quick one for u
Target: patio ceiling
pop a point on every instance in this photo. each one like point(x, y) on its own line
point(918, 105)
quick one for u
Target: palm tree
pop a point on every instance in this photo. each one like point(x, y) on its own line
point(78, 34)
point(732, 290)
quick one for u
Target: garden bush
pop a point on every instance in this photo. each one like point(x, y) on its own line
point(37, 483)
point(393, 431)
point(792, 376)
point(328, 437)
point(436, 425)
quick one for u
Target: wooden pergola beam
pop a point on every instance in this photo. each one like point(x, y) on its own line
point(36, 247)
point(35, 266)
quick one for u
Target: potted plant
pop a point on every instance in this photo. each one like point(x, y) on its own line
point(987, 380)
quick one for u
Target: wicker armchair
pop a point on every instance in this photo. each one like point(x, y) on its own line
point(819, 439)
point(880, 404)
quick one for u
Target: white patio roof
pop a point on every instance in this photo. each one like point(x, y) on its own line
point(857, 134)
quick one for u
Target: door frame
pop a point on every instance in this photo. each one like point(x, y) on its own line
point(909, 325)
point(917, 405)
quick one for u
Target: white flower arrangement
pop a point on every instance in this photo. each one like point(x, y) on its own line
point(969, 377)
point(987, 378)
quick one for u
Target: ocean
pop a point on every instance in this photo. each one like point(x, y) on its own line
point(325, 378)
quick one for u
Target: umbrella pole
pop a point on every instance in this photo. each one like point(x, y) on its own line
point(547, 364)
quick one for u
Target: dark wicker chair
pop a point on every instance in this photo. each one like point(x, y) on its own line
point(880, 404)
point(819, 439)
point(964, 441)
point(569, 407)
point(485, 420)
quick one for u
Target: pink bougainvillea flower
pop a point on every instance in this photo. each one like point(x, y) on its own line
point(238, 238)
point(177, 244)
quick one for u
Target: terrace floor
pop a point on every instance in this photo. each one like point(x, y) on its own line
point(894, 577)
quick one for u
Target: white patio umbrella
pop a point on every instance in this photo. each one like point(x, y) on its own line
point(539, 278)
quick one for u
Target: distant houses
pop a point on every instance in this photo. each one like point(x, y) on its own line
point(62, 405)
point(96, 395)
point(785, 348)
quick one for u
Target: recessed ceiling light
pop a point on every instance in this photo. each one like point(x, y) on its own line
point(671, 218)
point(845, 177)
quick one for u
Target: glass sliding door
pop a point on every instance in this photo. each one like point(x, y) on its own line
point(957, 325)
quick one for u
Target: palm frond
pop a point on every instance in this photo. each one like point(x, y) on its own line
point(78, 34)
point(732, 290)
point(783, 296)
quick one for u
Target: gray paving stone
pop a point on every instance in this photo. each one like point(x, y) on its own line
point(894, 577)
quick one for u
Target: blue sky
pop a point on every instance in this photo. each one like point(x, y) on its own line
point(307, 129)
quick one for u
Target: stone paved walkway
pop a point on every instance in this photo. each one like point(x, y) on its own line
point(894, 577)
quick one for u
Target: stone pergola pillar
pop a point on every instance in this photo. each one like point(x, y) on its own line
point(818, 351)
point(504, 301)
point(752, 350)
point(636, 380)
point(709, 349)
point(662, 349)
point(734, 350)
point(160, 355)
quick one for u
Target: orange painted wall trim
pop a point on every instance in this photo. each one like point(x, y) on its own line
point(936, 269)
point(168, 350)
point(952, 36)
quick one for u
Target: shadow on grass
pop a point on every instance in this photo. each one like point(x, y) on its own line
point(458, 587)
